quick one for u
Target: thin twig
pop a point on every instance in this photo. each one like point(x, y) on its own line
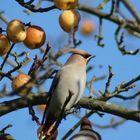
point(109, 80)
point(3, 74)
point(11, 63)
point(113, 7)
point(46, 51)
point(102, 4)
point(90, 86)
point(3, 18)
point(120, 42)
point(75, 42)
point(32, 8)
point(7, 55)
point(100, 36)
point(32, 113)
point(126, 84)
point(76, 126)
point(5, 128)
point(38, 63)
point(111, 125)
point(129, 97)
point(132, 9)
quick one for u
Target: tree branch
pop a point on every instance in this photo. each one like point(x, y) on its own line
point(13, 105)
point(32, 7)
point(110, 108)
point(133, 26)
point(95, 11)
point(88, 103)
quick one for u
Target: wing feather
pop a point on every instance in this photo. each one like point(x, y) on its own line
point(53, 86)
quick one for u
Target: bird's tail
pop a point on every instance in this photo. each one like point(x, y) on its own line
point(45, 130)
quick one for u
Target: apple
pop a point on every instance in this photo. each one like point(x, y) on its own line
point(66, 4)
point(4, 44)
point(16, 31)
point(69, 20)
point(19, 81)
point(87, 27)
point(35, 37)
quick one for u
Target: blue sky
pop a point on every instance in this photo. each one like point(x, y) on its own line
point(124, 68)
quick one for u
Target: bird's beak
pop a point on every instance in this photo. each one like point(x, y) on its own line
point(90, 57)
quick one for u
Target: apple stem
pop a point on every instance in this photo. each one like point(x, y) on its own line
point(28, 24)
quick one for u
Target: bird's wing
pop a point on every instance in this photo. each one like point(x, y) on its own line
point(53, 86)
point(55, 82)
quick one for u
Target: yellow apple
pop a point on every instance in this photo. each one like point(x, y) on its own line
point(4, 44)
point(19, 81)
point(16, 31)
point(66, 4)
point(35, 37)
point(69, 20)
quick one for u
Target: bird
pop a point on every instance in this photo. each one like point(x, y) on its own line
point(70, 78)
